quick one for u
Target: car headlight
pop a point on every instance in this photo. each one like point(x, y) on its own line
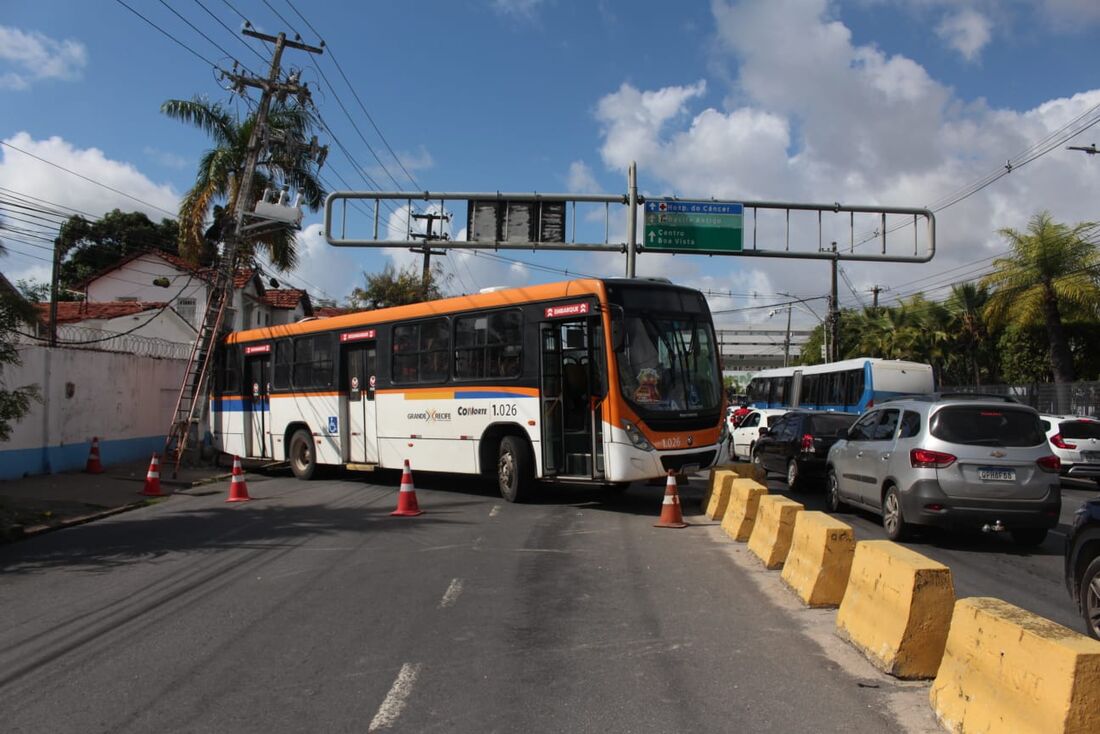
point(636, 437)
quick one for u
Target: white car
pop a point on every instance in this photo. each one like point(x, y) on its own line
point(1076, 441)
point(745, 435)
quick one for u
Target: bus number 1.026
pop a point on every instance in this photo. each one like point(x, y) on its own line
point(505, 410)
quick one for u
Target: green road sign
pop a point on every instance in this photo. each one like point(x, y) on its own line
point(693, 226)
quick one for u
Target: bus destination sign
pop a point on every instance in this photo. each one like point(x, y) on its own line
point(571, 309)
point(354, 336)
point(693, 226)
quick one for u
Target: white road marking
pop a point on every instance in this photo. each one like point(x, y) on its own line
point(493, 512)
point(394, 703)
point(451, 595)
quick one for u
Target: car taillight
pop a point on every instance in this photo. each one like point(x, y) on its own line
point(1060, 443)
point(807, 442)
point(1050, 464)
point(870, 403)
point(925, 459)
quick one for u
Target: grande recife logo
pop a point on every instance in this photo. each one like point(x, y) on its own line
point(569, 309)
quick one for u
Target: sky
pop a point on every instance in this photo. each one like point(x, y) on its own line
point(965, 107)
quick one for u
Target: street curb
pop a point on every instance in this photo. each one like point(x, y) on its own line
point(36, 530)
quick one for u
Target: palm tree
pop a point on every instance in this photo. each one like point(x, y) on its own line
point(1051, 271)
point(966, 305)
point(287, 162)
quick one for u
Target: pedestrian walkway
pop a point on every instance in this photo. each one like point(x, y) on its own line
point(48, 501)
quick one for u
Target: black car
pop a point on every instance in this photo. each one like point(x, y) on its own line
point(797, 444)
point(1083, 564)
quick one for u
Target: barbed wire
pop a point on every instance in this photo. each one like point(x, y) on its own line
point(71, 336)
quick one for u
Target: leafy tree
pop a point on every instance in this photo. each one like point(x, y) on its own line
point(89, 247)
point(14, 313)
point(1051, 271)
point(393, 287)
point(287, 161)
point(1024, 355)
point(35, 291)
point(966, 306)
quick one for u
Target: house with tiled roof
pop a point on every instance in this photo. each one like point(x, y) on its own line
point(159, 276)
point(323, 312)
point(288, 305)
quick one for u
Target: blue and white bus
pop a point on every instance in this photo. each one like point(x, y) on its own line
point(851, 385)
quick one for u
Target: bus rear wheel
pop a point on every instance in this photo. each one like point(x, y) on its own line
point(303, 461)
point(515, 472)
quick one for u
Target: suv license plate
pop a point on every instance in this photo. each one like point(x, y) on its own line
point(989, 474)
point(1091, 456)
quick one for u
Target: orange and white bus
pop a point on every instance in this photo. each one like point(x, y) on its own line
point(604, 381)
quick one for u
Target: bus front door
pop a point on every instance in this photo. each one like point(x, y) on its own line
point(257, 405)
point(360, 420)
point(572, 444)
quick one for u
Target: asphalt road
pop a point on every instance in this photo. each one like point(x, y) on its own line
point(984, 564)
point(311, 609)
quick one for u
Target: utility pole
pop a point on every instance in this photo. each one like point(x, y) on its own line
point(54, 278)
point(632, 222)
point(874, 296)
point(427, 250)
point(787, 339)
point(192, 396)
point(270, 88)
point(834, 311)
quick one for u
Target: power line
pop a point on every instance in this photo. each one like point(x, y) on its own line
point(231, 31)
point(89, 180)
point(202, 33)
point(172, 38)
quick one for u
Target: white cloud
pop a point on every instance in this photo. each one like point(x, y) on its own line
point(1071, 14)
point(33, 178)
point(966, 31)
point(823, 120)
point(580, 179)
point(324, 270)
point(36, 56)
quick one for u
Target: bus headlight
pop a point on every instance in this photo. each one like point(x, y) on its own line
point(636, 437)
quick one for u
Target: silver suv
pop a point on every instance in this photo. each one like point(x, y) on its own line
point(960, 461)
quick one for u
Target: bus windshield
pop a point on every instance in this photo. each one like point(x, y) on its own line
point(669, 363)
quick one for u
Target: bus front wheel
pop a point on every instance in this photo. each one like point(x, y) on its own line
point(303, 461)
point(514, 470)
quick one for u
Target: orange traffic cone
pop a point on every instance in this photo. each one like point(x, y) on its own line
point(93, 466)
point(238, 490)
point(406, 498)
point(670, 508)
point(152, 479)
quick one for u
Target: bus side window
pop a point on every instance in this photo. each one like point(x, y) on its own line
point(404, 353)
point(283, 362)
point(855, 386)
point(435, 349)
point(313, 361)
point(232, 383)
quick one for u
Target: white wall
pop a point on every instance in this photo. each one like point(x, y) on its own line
point(125, 400)
point(135, 280)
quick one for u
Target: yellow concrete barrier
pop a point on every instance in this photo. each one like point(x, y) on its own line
point(772, 531)
point(748, 470)
point(741, 509)
point(820, 559)
point(720, 494)
point(897, 608)
point(1006, 669)
point(714, 472)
